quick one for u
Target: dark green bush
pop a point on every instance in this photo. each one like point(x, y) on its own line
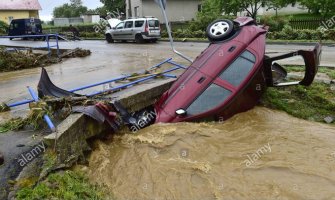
point(290, 34)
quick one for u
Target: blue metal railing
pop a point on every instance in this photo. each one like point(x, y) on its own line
point(47, 40)
point(165, 73)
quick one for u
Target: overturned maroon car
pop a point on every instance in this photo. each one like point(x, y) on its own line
point(229, 76)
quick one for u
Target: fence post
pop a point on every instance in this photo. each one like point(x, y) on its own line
point(48, 45)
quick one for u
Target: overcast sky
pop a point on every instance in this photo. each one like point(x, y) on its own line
point(49, 5)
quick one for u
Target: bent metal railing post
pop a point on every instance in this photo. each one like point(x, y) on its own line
point(47, 40)
point(45, 116)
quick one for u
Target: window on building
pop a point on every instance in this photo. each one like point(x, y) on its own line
point(136, 11)
point(10, 18)
point(199, 7)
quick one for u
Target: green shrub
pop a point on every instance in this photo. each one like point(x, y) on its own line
point(276, 23)
point(91, 35)
point(290, 34)
point(3, 27)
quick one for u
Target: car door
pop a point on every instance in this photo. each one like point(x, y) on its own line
point(128, 30)
point(117, 32)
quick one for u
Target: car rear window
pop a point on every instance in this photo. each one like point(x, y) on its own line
point(153, 23)
point(211, 98)
point(139, 23)
point(238, 71)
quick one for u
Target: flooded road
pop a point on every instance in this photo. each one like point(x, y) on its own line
point(260, 154)
point(108, 61)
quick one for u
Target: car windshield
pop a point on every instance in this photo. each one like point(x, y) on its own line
point(153, 23)
point(120, 26)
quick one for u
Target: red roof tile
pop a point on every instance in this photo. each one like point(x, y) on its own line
point(20, 5)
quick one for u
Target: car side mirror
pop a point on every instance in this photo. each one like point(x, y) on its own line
point(181, 112)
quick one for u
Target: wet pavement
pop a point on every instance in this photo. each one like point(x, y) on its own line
point(111, 60)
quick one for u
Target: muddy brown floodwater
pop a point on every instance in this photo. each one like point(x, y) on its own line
point(260, 154)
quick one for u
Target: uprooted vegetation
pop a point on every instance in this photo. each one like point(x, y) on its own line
point(11, 60)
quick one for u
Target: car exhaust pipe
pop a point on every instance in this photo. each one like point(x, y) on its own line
point(162, 5)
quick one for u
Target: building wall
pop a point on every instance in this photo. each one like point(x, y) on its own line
point(177, 10)
point(130, 12)
point(5, 15)
point(68, 21)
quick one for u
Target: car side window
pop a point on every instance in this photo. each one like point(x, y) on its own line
point(238, 71)
point(212, 97)
point(120, 26)
point(139, 24)
point(129, 24)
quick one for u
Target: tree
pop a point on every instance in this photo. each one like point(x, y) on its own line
point(115, 5)
point(323, 7)
point(234, 6)
point(74, 9)
point(252, 6)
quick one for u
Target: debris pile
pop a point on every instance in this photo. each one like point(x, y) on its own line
point(78, 52)
point(14, 59)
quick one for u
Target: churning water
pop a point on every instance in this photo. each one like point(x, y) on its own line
point(260, 154)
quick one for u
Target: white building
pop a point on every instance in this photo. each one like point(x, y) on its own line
point(177, 10)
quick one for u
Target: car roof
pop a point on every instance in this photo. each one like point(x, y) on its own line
point(142, 18)
point(26, 19)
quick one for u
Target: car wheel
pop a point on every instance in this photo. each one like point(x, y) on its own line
point(10, 38)
point(154, 40)
point(220, 30)
point(124, 41)
point(139, 39)
point(109, 38)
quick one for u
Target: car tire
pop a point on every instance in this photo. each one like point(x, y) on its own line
point(124, 41)
point(139, 39)
point(219, 30)
point(154, 40)
point(10, 38)
point(109, 38)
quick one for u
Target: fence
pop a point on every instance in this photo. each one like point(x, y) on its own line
point(68, 21)
point(306, 23)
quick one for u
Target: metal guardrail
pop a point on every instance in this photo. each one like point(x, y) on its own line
point(47, 40)
point(169, 61)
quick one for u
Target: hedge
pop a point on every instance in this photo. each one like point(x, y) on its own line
point(286, 34)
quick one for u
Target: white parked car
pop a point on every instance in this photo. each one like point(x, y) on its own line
point(137, 29)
